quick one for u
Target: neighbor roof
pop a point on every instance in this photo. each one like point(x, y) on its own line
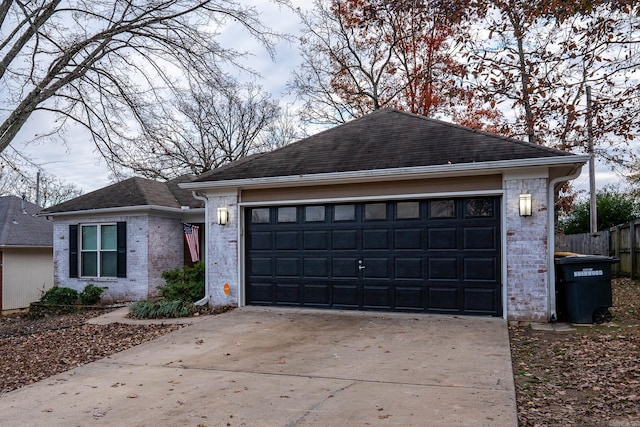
point(21, 227)
point(133, 192)
point(384, 139)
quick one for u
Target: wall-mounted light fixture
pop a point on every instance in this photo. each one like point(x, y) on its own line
point(525, 205)
point(223, 216)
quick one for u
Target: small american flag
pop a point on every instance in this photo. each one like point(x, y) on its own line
point(191, 236)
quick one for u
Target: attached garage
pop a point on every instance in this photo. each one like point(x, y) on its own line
point(392, 212)
point(439, 255)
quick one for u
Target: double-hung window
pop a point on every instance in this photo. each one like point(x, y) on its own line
point(98, 250)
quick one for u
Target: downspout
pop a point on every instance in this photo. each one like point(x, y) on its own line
point(551, 240)
point(204, 300)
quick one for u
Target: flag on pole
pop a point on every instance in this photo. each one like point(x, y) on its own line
point(191, 236)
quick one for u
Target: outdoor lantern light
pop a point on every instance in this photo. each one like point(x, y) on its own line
point(223, 216)
point(525, 205)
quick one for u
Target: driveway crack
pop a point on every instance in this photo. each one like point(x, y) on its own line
point(318, 405)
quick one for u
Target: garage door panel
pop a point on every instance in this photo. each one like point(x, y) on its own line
point(442, 269)
point(286, 240)
point(481, 300)
point(345, 268)
point(439, 255)
point(261, 266)
point(444, 299)
point(288, 293)
point(376, 268)
point(344, 239)
point(477, 238)
point(410, 238)
point(480, 269)
point(442, 238)
point(261, 293)
point(317, 294)
point(346, 295)
point(260, 240)
point(378, 297)
point(375, 239)
point(316, 267)
point(287, 267)
point(409, 298)
point(315, 240)
point(408, 268)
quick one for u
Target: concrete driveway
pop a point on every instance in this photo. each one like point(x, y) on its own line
point(289, 367)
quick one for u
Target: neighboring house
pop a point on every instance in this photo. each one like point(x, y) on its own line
point(124, 236)
point(392, 211)
point(26, 253)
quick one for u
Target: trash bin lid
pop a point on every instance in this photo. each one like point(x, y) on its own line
point(583, 259)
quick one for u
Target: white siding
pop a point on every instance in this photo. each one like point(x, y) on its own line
point(25, 274)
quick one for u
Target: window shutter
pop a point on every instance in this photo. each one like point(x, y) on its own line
point(73, 250)
point(122, 249)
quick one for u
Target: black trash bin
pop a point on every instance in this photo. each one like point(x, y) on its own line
point(583, 288)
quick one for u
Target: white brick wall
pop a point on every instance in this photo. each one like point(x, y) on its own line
point(222, 251)
point(154, 244)
point(527, 251)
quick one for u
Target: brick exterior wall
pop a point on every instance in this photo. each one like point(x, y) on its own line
point(154, 244)
point(527, 251)
point(222, 251)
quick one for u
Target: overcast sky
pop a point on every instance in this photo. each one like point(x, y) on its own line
point(78, 163)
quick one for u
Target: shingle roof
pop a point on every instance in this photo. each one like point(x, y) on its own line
point(133, 192)
point(20, 227)
point(384, 139)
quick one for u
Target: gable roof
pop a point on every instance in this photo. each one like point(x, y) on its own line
point(384, 139)
point(131, 192)
point(21, 227)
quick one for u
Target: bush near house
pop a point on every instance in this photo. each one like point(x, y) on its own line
point(184, 287)
point(186, 284)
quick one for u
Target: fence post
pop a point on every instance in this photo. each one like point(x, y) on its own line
point(632, 248)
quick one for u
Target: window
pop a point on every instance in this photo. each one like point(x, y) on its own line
point(260, 216)
point(408, 210)
point(479, 208)
point(375, 211)
point(314, 213)
point(344, 212)
point(442, 208)
point(97, 250)
point(287, 214)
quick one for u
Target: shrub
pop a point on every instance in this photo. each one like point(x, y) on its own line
point(184, 284)
point(91, 294)
point(59, 296)
point(162, 309)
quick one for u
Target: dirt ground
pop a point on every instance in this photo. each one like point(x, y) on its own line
point(588, 376)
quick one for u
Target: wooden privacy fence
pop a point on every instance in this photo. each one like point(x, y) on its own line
point(622, 242)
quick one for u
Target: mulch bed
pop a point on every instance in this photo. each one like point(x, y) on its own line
point(589, 376)
point(32, 350)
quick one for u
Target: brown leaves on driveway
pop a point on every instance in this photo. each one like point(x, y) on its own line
point(586, 376)
point(32, 350)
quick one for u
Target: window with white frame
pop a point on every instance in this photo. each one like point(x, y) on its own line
point(98, 250)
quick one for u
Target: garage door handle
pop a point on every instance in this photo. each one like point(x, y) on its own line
point(360, 266)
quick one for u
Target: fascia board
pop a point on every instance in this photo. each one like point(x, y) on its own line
point(438, 171)
point(127, 210)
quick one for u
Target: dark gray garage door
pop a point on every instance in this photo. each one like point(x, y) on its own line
point(440, 255)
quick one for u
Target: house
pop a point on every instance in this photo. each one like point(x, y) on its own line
point(26, 253)
point(124, 236)
point(392, 211)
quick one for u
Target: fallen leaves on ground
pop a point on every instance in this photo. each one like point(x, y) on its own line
point(589, 376)
point(33, 350)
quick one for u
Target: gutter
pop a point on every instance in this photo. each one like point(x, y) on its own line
point(551, 240)
point(119, 210)
point(207, 295)
point(393, 173)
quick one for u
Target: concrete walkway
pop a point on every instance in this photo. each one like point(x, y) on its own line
point(288, 367)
